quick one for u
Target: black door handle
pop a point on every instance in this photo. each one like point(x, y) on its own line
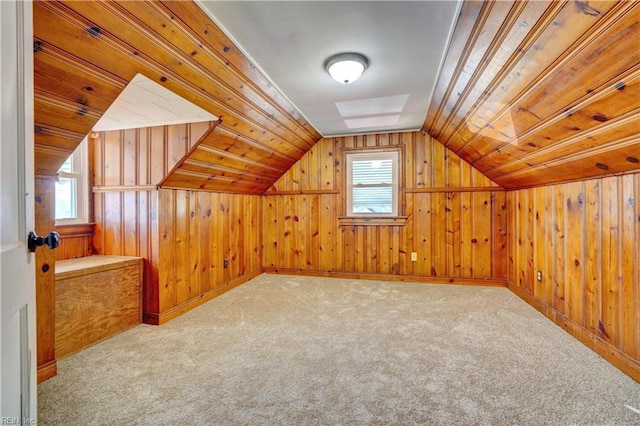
point(52, 240)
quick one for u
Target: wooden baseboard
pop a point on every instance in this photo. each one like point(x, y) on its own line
point(615, 356)
point(176, 311)
point(389, 277)
point(47, 370)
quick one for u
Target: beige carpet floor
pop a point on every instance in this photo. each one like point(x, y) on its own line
point(291, 350)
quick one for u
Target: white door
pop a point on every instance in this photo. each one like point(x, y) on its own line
point(17, 285)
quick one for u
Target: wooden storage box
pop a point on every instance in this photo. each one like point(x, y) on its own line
point(96, 298)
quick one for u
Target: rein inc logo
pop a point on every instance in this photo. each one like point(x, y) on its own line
point(17, 421)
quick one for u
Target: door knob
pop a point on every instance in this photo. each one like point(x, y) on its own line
point(52, 240)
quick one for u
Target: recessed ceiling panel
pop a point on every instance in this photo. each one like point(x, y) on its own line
point(404, 42)
point(383, 105)
point(385, 121)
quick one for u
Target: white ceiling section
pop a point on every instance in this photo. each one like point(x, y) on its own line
point(145, 103)
point(290, 41)
point(384, 105)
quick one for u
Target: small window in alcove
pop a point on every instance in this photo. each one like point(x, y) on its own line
point(72, 188)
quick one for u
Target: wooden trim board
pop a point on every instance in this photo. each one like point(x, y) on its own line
point(389, 277)
point(164, 317)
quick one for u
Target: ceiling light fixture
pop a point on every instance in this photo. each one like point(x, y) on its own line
point(346, 68)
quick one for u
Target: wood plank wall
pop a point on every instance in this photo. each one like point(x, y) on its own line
point(135, 158)
point(127, 166)
point(75, 241)
point(182, 235)
point(456, 218)
point(196, 232)
point(44, 211)
point(585, 238)
point(126, 225)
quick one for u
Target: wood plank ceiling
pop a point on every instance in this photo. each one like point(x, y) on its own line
point(86, 52)
point(540, 92)
point(531, 92)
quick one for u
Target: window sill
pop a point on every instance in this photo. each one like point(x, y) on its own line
point(372, 221)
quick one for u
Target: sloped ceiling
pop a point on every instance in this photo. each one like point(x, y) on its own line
point(404, 41)
point(530, 92)
point(86, 52)
point(145, 103)
point(541, 92)
point(226, 161)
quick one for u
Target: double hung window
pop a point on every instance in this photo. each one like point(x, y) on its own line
point(71, 197)
point(372, 184)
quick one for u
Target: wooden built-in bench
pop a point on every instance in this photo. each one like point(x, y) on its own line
point(96, 298)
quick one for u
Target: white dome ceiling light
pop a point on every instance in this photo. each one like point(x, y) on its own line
point(346, 68)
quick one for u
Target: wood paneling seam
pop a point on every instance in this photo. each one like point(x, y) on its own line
point(583, 254)
point(122, 188)
point(238, 157)
point(207, 176)
point(136, 145)
point(215, 167)
point(80, 64)
point(65, 104)
point(302, 192)
point(257, 144)
point(621, 254)
point(53, 150)
point(48, 130)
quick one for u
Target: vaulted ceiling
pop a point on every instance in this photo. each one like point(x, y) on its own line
point(404, 42)
point(529, 93)
point(540, 92)
point(86, 52)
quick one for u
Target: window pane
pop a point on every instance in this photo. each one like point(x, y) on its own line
point(372, 200)
point(66, 193)
point(67, 166)
point(372, 183)
point(372, 172)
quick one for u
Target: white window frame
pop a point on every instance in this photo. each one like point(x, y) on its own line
point(374, 155)
point(79, 172)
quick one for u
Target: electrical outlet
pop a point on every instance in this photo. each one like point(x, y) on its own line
point(225, 262)
point(539, 275)
point(414, 256)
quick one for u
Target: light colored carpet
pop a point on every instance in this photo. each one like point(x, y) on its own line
point(304, 351)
